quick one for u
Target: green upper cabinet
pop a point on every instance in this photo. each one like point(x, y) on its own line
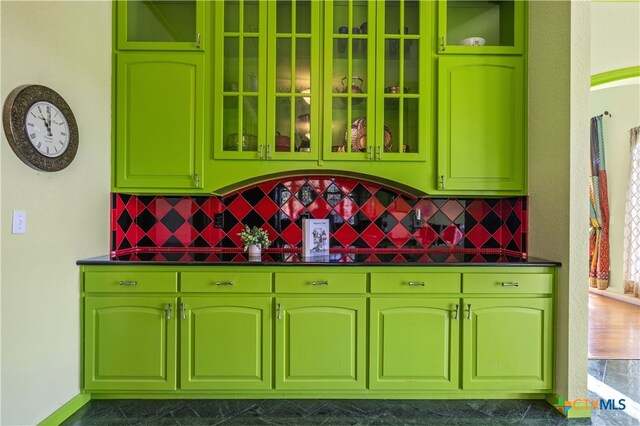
point(376, 80)
point(481, 125)
point(240, 79)
point(159, 122)
point(160, 24)
point(130, 343)
point(508, 344)
point(481, 27)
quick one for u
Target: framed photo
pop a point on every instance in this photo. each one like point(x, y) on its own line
point(315, 237)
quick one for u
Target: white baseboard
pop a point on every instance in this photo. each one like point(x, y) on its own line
point(617, 296)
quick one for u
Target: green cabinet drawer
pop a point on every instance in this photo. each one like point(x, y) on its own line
point(226, 282)
point(507, 283)
point(321, 282)
point(410, 282)
point(131, 282)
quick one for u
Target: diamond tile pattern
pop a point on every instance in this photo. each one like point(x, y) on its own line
point(362, 215)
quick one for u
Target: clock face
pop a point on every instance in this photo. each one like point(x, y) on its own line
point(47, 129)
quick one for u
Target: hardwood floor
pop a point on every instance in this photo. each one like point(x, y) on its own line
point(614, 329)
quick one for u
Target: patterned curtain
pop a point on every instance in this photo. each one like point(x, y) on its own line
point(631, 270)
point(599, 233)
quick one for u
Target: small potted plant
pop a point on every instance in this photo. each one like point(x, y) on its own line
point(254, 239)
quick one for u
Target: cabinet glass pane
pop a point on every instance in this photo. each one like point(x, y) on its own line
point(303, 64)
point(161, 20)
point(410, 125)
point(283, 124)
point(341, 17)
point(250, 123)
point(338, 125)
point(391, 66)
point(303, 17)
point(250, 64)
point(303, 126)
point(283, 65)
point(412, 17)
point(283, 16)
point(230, 124)
point(492, 21)
point(231, 49)
point(251, 16)
point(391, 17)
point(411, 66)
point(232, 16)
point(391, 124)
point(359, 18)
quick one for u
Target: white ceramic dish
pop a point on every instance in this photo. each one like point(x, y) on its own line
point(473, 41)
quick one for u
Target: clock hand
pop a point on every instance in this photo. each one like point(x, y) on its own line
point(47, 125)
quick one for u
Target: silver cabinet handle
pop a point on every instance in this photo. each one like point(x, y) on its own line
point(416, 283)
point(129, 283)
point(184, 313)
point(196, 179)
point(442, 182)
point(279, 311)
point(510, 284)
point(319, 282)
point(169, 311)
point(379, 149)
point(198, 40)
point(469, 311)
point(370, 152)
point(443, 42)
point(268, 152)
point(220, 283)
point(457, 312)
point(261, 149)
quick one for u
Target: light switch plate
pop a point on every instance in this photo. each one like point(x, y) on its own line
point(19, 222)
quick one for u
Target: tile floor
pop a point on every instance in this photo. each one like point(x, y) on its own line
point(607, 377)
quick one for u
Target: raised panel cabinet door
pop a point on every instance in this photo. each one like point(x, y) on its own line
point(414, 344)
point(481, 135)
point(130, 343)
point(159, 124)
point(226, 343)
point(160, 24)
point(320, 343)
point(507, 344)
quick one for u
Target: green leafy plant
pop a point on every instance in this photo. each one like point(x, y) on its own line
point(255, 235)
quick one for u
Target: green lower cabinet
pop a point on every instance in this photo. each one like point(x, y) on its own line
point(320, 343)
point(225, 343)
point(507, 344)
point(130, 343)
point(414, 344)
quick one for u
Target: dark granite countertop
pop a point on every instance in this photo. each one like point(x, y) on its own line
point(279, 258)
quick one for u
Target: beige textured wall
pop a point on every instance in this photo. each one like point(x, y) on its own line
point(64, 45)
point(615, 35)
point(559, 79)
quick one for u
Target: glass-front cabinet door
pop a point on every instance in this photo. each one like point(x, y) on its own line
point(161, 24)
point(474, 27)
point(293, 93)
point(240, 78)
point(377, 75)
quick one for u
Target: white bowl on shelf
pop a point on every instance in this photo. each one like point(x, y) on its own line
point(473, 41)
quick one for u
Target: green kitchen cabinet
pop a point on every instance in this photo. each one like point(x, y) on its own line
point(225, 343)
point(159, 121)
point(320, 343)
point(130, 343)
point(481, 144)
point(500, 24)
point(160, 24)
point(377, 92)
point(507, 344)
point(414, 343)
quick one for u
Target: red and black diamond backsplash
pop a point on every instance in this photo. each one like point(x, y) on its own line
point(361, 215)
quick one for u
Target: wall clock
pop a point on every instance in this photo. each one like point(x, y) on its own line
point(40, 127)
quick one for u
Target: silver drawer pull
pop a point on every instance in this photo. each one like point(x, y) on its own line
point(129, 283)
point(169, 311)
point(510, 284)
point(184, 313)
point(319, 282)
point(457, 312)
point(279, 311)
point(224, 282)
point(416, 283)
point(469, 311)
